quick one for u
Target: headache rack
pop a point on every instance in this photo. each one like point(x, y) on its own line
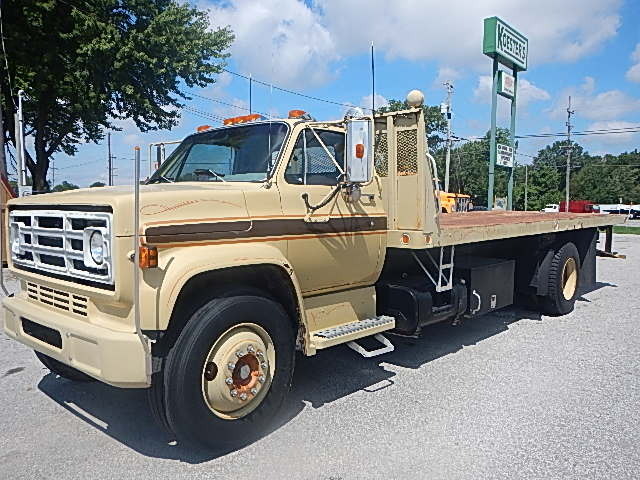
point(50, 242)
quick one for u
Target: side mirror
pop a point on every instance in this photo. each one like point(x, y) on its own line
point(359, 151)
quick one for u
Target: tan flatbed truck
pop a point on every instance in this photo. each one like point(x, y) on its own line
point(262, 238)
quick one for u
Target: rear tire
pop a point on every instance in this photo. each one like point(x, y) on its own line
point(563, 281)
point(62, 370)
point(198, 401)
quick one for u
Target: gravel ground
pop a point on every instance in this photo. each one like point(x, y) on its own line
point(510, 395)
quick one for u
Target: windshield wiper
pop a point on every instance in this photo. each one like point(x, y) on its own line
point(210, 173)
point(161, 178)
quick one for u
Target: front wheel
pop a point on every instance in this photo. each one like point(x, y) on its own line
point(229, 371)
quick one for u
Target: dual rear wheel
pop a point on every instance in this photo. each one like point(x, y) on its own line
point(563, 281)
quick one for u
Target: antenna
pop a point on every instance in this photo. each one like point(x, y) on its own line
point(250, 85)
point(373, 81)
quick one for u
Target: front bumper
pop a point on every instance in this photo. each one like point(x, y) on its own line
point(113, 357)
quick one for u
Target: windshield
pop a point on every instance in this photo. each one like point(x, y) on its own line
point(244, 153)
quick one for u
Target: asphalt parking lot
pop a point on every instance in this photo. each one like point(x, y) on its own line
point(510, 395)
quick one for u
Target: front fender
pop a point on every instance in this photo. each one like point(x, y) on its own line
point(177, 265)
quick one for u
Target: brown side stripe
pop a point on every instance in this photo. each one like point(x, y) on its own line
point(261, 228)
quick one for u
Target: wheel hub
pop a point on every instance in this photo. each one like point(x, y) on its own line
point(249, 356)
point(569, 278)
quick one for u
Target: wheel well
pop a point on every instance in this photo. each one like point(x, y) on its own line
point(268, 281)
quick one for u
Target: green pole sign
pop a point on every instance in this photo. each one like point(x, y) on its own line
point(505, 45)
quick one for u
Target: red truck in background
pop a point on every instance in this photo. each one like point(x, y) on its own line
point(577, 206)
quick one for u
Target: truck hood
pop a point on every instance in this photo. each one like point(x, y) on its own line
point(160, 204)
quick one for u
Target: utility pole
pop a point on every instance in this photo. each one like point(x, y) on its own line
point(109, 159)
point(526, 187)
point(445, 109)
point(568, 172)
point(3, 160)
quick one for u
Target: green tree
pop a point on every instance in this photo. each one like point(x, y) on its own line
point(469, 169)
point(542, 186)
point(64, 186)
point(435, 124)
point(608, 179)
point(84, 63)
point(97, 184)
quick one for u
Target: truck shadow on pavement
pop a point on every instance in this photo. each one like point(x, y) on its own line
point(319, 380)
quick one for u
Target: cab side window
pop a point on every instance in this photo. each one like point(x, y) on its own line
point(310, 164)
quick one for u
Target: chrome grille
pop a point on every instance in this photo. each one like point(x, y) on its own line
point(51, 242)
point(69, 302)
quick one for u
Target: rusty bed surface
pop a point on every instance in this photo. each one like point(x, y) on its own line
point(484, 219)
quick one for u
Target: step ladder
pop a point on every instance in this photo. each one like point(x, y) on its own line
point(443, 269)
point(349, 332)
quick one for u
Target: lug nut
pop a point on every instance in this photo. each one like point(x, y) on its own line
point(254, 390)
point(231, 366)
point(239, 353)
point(250, 349)
point(259, 353)
point(228, 381)
point(264, 365)
point(243, 396)
point(234, 393)
point(261, 378)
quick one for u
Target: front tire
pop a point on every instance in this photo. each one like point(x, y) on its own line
point(229, 372)
point(563, 281)
point(62, 370)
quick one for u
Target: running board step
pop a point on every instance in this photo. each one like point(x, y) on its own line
point(351, 331)
point(387, 348)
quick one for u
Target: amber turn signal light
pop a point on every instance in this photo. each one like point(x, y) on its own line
point(359, 150)
point(148, 257)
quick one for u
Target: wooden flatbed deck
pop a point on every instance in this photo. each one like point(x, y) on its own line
point(495, 217)
point(468, 227)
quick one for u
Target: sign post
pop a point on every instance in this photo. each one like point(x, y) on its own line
point(508, 47)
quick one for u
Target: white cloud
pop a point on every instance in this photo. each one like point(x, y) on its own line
point(615, 138)
point(132, 139)
point(608, 105)
point(280, 41)
point(527, 92)
point(446, 74)
point(298, 43)
point(366, 103)
point(633, 74)
point(431, 29)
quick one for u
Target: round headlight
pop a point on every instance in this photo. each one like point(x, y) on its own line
point(96, 247)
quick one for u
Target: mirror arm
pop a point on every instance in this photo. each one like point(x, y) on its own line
point(327, 199)
point(335, 162)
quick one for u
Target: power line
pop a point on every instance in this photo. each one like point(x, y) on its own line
point(221, 102)
point(286, 90)
point(78, 165)
point(202, 114)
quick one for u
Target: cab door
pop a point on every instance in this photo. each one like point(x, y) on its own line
point(336, 244)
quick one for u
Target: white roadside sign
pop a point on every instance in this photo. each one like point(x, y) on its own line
point(504, 156)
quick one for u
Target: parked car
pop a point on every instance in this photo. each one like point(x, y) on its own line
point(551, 207)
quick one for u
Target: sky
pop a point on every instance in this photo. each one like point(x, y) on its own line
point(586, 49)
